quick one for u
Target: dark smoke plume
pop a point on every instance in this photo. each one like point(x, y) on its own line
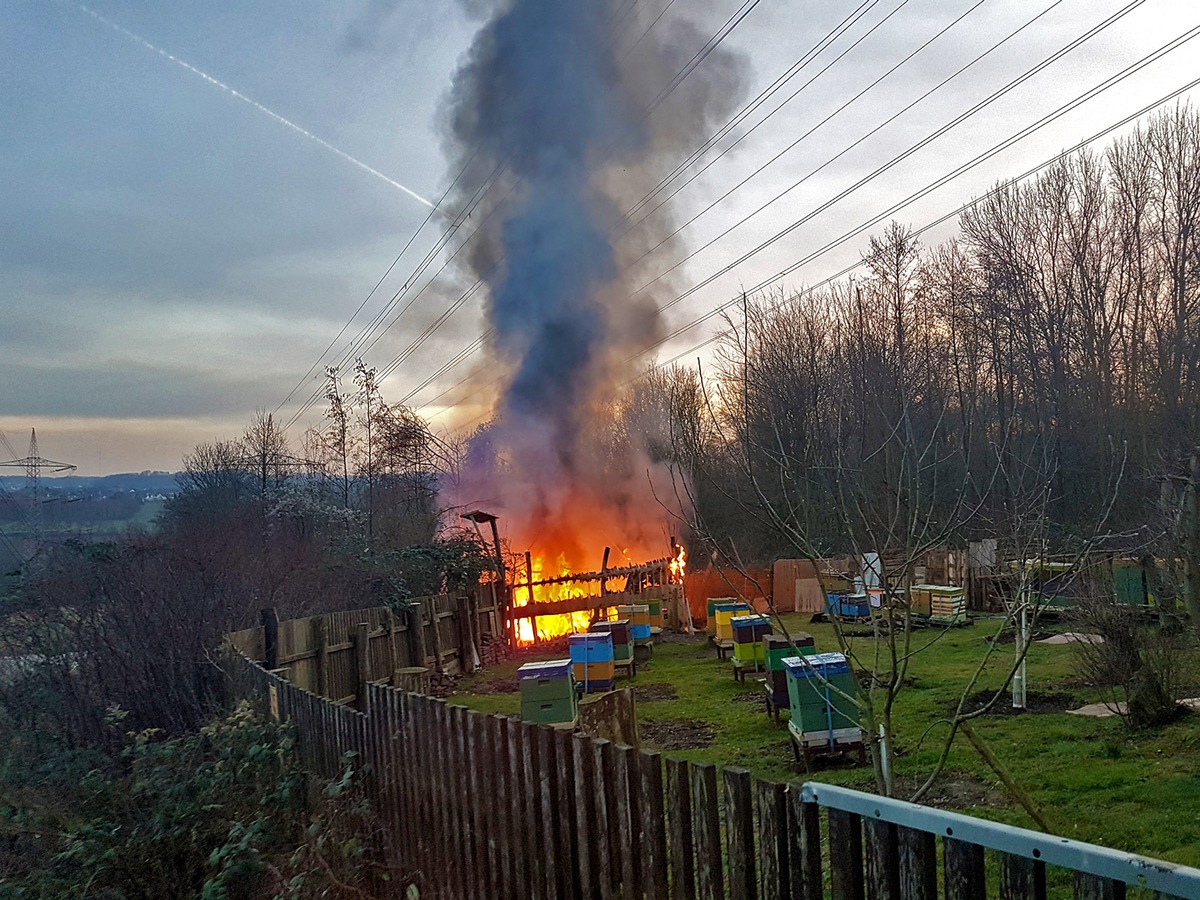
point(555, 92)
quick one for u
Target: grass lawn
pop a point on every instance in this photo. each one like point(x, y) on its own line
point(1092, 778)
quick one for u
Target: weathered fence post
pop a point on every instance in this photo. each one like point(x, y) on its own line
point(435, 622)
point(963, 870)
point(679, 798)
point(362, 665)
point(739, 834)
point(320, 626)
point(270, 627)
point(845, 855)
point(706, 825)
point(416, 635)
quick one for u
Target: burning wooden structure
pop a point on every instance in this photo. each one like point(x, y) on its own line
point(543, 607)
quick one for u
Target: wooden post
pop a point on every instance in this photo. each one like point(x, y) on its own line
point(963, 870)
point(706, 821)
point(653, 828)
point(883, 860)
point(587, 862)
point(601, 754)
point(362, 664)
point(1022, 878)
point(434, 621)
point(625, 776)
point(739, 834)
point(466, 661)
point(321, 640)
point(529, 584)
point(918, 863)
point(1093, 887)
point(679, 797)
point(416, 636)
point(804, 846)
point(845, 855)
point(389, 641)
point(270, 627)
point(771, 800)
point(603, 569)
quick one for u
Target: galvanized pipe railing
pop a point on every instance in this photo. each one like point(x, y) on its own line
point(901, 855)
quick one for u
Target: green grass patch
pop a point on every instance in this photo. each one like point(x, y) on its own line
point(1094, 779)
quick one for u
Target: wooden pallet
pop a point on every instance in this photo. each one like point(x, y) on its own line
point(724, 648)
point(740, 668)
point(808, 745)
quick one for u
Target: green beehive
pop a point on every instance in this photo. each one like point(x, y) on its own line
point(821, 691)
point(776, 648)
point(547, 692)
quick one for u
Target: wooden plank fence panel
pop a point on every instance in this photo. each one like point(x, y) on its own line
point(585, 819)
point(502, 820)
point(1093, 887)
point(918, 863)
point(1021, 879)
point(845, 856)
point(963, 870)
point(624, 778)
point(461, 787)
point(566, 776)
point(600, 755)
point(804, 846)
point(516, 769)
point(550, 826)
point(771, 806)
point(706, 825)
point(608, 782)
point(653, 831)
point(883, 860)
point(533, 814)
point(739, 834)
point(683, 862)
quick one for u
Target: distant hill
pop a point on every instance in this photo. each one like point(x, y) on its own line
point(142, 483)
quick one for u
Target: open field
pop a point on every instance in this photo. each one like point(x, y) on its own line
point(1092, 778)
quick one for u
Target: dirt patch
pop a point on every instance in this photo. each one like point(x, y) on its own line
point(748, 697)
point(652, 693)
point(498, 686)
point(1035, 702)
point(677, 637)
point(677, 734)
point(954, 790)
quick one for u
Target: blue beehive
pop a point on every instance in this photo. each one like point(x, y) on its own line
point(591, 647)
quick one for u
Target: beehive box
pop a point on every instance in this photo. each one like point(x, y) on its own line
point(621, 637)
point(724, 613)
point(821, 692)
point(748, 632)
point(776, 648)
point(711, 620)
point(595, 676)
point(594, 646)
point(547, 692)
point(639, 621)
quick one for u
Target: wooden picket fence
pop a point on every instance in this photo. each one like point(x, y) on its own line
point(477, 806)
point(333, 654)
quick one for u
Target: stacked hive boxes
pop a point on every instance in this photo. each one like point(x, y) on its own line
point(821, 692)
point(848, 606)
point(639, 622)
point(777, 648)
point(748, 632)
point(658, 615)
point(947, 604)
point(724, 613)
point(711, 621)
point(547, 692)
point(592, 660)
point(622, 638)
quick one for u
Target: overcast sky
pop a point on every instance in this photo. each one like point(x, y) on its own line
point(173, 257)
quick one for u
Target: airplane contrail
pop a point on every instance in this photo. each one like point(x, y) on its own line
point(274, 115)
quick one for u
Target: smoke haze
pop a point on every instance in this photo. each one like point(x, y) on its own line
point(555, 93)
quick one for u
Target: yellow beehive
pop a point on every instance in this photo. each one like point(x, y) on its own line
point(637, 614)
point(594, 673)
point(723, 616)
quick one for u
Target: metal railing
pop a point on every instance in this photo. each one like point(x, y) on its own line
point(901, 854)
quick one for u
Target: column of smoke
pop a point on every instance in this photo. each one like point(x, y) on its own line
point(556, 91)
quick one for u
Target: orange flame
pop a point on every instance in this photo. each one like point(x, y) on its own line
point(679, 566)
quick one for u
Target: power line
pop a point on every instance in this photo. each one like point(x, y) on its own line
point(875, 220)
point(895, 160)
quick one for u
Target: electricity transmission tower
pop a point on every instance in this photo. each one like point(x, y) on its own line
point(34, 464)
